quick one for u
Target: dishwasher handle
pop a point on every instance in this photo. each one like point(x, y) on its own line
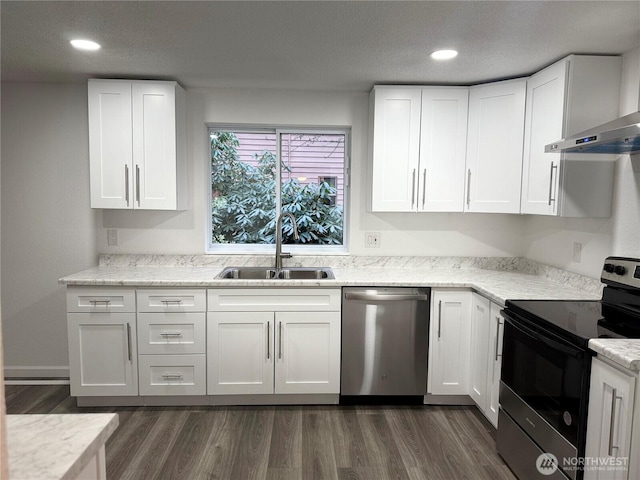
point(386, 297)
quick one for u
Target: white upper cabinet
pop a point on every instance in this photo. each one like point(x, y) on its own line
point(137, 144)
point(494, 147)
point(419, 141)
point(443, 137)
point(572, 95)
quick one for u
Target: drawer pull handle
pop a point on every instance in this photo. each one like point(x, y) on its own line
point(100, 302)
point(171, 376)
point(171, 302)
point(170, 334)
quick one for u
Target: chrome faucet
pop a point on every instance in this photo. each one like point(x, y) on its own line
point(279, 254)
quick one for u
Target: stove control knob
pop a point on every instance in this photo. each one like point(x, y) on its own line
point(608, 267)
point(620, 270)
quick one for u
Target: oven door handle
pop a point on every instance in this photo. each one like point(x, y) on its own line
point(555, 344)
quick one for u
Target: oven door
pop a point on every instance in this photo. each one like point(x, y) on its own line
point(549, 375)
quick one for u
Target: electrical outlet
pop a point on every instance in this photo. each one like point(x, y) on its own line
point(577, 252)
point(112, 237)
point(372, 239)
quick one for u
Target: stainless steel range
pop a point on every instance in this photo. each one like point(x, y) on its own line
point(546, 365)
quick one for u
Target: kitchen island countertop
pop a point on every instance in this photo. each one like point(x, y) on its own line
point(57, 446)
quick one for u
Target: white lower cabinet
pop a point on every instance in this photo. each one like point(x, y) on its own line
point(609, 423)
point(486, 356)
point(240, 353)
point(293, 348)
point(172, 341)
point(172, 374)
point(308, 352)
point(449, 342)
point(101, 327)
point(102, 354)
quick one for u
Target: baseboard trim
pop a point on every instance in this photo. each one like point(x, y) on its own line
point(208, 400)
point(430, 399)
point(37, 372)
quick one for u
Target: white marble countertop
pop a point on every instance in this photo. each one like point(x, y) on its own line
point(55, 446)
point(496, 285)
point(624, 352)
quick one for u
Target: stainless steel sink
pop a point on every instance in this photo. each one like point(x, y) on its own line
point(267, 273)
point(248, 273)
point(305, 273)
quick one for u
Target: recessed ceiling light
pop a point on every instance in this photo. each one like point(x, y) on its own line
point(444, 54)
point(81, 44)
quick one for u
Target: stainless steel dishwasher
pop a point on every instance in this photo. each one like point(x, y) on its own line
point(385, 340)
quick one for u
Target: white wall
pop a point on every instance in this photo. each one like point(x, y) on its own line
point(401, 234)
point(550, 240)
point(48, 229)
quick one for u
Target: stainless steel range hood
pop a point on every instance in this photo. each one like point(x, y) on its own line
point(618, 136)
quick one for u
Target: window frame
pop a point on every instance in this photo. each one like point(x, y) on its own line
point(297, 249)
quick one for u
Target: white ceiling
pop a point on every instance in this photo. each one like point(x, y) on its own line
point(319, 45)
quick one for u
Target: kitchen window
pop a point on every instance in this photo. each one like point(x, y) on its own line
point(256, 172)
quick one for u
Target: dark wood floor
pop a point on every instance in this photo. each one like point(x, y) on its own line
point(302, 442)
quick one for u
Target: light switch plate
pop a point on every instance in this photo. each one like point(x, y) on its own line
point(372, 239)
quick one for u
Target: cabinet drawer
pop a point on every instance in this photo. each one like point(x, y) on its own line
point(172, 374)
point(171, 333)
point(100, 299)
point(274, 299)
point(174, 300)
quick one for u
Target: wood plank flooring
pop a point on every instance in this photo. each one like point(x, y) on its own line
point(286, 443)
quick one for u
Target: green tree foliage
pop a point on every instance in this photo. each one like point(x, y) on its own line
point(243, 203)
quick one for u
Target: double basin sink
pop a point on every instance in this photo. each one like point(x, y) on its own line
point(269, 273)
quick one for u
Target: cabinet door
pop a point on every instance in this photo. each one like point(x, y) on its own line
point(240, 353)
point(494, 147)
point(110, 144)
point(154, 145)
point(543, 124)
point(443, 139)
point(307, 352)
point(102, 354)
point(611, 398)
point(496, 329)
point(478, 367)
point(396, 147)
point(449, 343)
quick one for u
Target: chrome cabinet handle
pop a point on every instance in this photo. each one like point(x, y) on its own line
point(280, 341)
point(170, 334)
point(171, 376)
point(126, 183)
point(101, 302)
point(171, 302)
point(439, 317)
point(612, 421)
point(413, 188)
point(468, 187)
point(553, 167)
point(138, 184)
point(497, 337)
point(268, 340)
point(424, 186)
point(129, 339)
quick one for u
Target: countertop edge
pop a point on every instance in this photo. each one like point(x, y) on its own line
point(623, 352)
